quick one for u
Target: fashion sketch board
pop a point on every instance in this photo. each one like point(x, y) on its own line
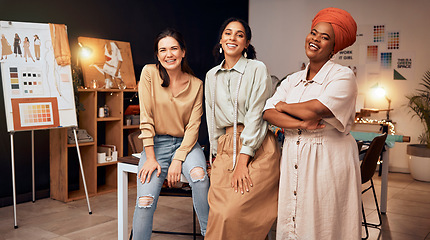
point(38, 92)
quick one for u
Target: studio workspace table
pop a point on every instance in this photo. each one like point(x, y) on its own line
point(129, 164)
point(125, 165)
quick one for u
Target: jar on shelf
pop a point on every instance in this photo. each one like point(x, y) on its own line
point(106, 110)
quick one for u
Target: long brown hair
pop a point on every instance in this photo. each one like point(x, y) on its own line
point(170, 32)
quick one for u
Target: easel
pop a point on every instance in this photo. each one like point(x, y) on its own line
point(12, 152)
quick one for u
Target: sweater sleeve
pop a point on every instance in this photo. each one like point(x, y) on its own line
point(146, 103)
point(192, 128)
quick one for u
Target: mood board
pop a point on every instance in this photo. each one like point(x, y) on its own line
point(38, 90)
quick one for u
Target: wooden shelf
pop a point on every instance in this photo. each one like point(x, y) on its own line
point(130, 90)
point(105, 189)
point(86, 90)
point(130, 127)
point(81, 144)
point(106, 164)
point(108, 119)
point(66, 181)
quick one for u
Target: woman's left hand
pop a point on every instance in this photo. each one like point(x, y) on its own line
point(312, 124)
point(241, 178)
point(174, 173)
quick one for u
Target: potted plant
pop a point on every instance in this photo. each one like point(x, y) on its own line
point(419, 154)
point(77, 82)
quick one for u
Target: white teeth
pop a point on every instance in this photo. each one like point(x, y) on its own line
point(231, 45)
point(313, 45)
point(169, 61)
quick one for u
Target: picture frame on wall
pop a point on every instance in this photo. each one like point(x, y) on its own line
point(106, 63)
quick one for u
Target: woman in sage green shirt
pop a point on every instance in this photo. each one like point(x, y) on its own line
point(245, 173)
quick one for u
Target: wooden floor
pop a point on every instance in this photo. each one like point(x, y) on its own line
point(407, 218)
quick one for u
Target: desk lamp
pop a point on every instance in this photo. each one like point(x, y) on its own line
point(380, 92)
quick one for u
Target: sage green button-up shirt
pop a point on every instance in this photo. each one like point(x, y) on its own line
point(254, 90)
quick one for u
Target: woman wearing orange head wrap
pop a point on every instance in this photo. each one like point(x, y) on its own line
point(320, 184)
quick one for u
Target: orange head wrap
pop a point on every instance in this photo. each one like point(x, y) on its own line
point(344, 26)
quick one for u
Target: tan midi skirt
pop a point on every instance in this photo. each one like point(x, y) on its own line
point(234, 216)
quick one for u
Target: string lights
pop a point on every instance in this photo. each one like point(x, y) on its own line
point(380, 122)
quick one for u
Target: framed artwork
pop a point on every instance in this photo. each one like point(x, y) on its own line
point(35, 113)
point(107, 63)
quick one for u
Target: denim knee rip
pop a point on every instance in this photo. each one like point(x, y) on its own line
point(197, 174)
point(146, 201)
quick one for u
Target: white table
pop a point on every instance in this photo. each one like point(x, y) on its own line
point(127, 165)
point(123, 170)
point(384, 181)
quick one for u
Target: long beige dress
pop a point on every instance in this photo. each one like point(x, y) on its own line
point(5, 47)
point(320, 184)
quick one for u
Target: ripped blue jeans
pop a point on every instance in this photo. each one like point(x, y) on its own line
point(165, 147)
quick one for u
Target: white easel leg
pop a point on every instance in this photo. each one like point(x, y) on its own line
point(82, 171)
point(13, 179)
point(32, 167)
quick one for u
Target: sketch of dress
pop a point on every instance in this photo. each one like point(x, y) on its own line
point(5, 47)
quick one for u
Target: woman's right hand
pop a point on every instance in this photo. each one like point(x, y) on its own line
point(148, 168)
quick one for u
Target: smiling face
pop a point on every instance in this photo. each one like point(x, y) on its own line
point(233, 40)
point(320, 42)
point(170, 54)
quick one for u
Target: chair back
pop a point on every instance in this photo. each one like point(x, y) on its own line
point(370, 160)
point(360, 145)
point(135, 143)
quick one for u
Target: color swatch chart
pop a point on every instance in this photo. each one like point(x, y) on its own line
point(378, 33)
point(32, 83)
point(28, 84)
point(372, 53)
point(386, 59)
point(14, 81)
point(393, 40)
point(36, 114)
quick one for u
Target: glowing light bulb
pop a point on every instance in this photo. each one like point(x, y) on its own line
point(379, 92)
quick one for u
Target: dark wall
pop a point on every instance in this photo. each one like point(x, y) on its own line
point(137, 22)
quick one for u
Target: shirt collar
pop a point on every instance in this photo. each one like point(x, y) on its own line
point(321, 75)
point(239, 66)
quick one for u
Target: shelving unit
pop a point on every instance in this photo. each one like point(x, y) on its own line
point(66, 183)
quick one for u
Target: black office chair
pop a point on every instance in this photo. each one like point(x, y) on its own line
point(360, 144)
point(136, 145)
point(368, 167)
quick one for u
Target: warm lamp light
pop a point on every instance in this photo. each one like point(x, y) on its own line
point(380, 92)
point(85, 52)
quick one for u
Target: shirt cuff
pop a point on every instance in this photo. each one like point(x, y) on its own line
point(247, 150)
point(180, 155)
point(148, 142)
